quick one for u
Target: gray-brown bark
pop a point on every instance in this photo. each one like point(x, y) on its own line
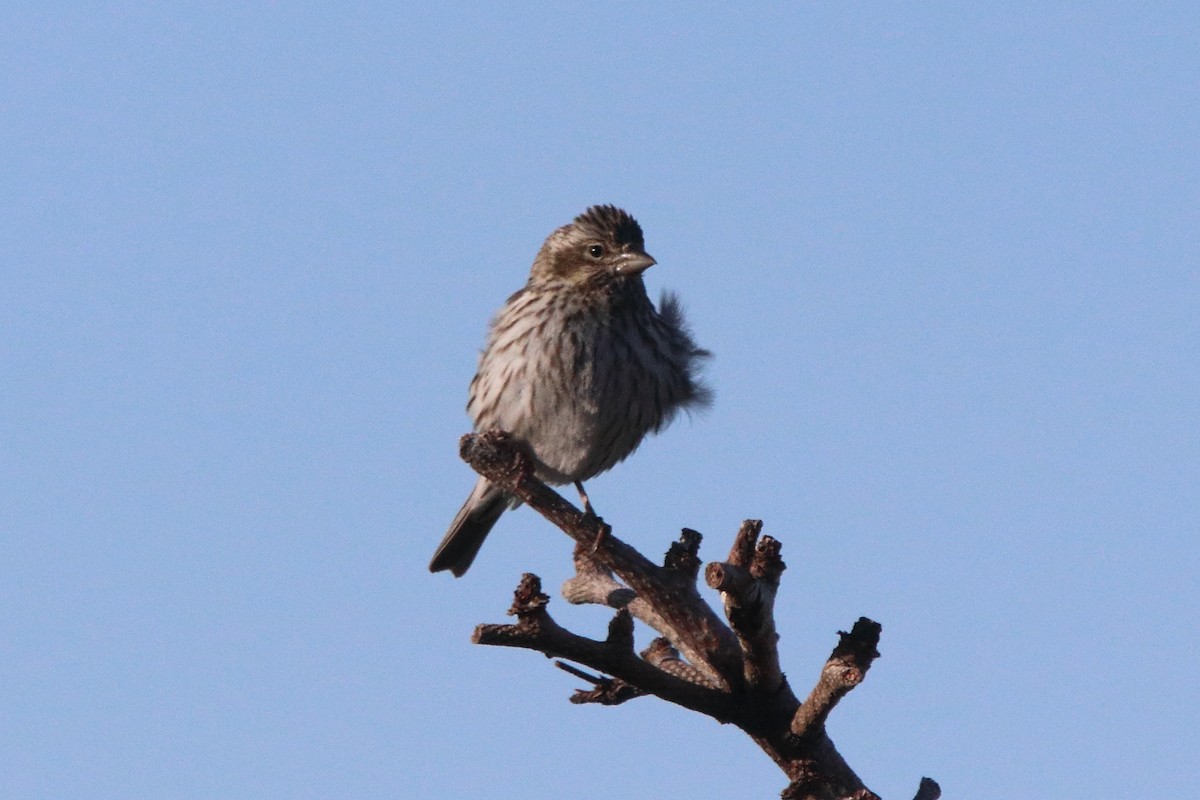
point(729, 671)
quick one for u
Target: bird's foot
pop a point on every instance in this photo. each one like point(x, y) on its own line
point(587, 504)
point(591, 514)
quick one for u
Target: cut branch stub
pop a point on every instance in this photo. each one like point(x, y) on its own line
point(594, 583)
point(727, 578)
point(748, 583)
point(620, 630)
point(928, 790)
point(742, 552)
point(766, 564)
point(528, 599)
point(845, 669)
point(683, 556)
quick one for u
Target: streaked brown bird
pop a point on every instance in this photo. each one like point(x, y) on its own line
point(579, 365)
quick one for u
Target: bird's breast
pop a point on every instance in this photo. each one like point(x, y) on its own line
point(581, 386)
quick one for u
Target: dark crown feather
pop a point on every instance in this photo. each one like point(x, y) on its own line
point(607, 220)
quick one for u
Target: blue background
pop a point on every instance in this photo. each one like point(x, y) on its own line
point(946, 257)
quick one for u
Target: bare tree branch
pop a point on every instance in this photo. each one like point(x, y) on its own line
point(536, 630)
point(748, 583)
point(687, 620)
point(730, 672)
point(844, 670)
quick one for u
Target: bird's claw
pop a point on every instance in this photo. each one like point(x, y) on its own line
point(605, 530)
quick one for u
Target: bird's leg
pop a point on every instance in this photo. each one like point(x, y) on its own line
point(591, 512)
point(587, 504)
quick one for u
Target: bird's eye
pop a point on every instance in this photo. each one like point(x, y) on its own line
point(595, 251)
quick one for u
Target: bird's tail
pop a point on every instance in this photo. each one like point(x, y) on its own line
point(469, 528)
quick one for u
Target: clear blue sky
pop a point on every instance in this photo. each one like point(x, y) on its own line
point(947, 258)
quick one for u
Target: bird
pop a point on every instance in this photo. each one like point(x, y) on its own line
point(578, 366)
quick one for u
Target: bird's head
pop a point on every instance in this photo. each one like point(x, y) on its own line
point(603, 245)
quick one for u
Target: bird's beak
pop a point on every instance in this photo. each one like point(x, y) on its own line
point(635, 264)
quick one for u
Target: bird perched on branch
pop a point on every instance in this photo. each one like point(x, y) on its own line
point(579, 365)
